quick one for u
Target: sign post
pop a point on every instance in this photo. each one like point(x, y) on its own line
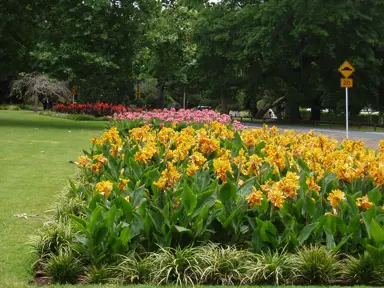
point(346, 69)
point(73, 94)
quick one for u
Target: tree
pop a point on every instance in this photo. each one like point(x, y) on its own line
point(37, 87)
point(92, 44)
point(168, 52)
point(18, 21)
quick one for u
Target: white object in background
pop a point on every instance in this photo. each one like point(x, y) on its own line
point(269, 115)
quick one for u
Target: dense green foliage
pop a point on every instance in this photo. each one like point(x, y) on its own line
point(229, 54)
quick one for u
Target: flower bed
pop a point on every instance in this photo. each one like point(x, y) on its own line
point(181, 116)
point(95, 109)
point(253, 186)
point(169, 184)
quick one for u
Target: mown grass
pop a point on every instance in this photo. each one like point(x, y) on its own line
point(34, 167)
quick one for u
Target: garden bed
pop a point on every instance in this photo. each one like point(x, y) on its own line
point(157, 190)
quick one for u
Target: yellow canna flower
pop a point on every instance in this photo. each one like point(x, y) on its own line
point(100, 158)
point(276, 197)
point(198, 158)
point(96, 167)
point(336, 197)
point(255, 198)
point(289, 184)
point(192, 168)
point(221, 165)
point(168, 177)
point(114, 150)
point(104, 187)
point(82, 161)
point(363, 202)
point(312, 186)
point(123, 183)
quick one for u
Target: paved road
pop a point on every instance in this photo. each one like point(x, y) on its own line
point(371, 139)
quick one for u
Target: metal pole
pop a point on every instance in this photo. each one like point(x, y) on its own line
point(346, 111)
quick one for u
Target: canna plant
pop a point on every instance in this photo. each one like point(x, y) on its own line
point(176, 186)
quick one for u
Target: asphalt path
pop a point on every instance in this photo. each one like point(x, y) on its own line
point(371, 139)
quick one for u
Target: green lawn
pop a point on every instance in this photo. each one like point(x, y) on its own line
point(34, 167)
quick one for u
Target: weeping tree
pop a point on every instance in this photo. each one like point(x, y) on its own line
point(35, 88)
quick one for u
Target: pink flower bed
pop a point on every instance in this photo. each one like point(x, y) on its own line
point(187, 116)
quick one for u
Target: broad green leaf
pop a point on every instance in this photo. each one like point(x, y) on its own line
point(136, 168)
point(95, 216)
point(182, 229)
point(375, 195)
point(268, 233)
point(79, 220)
point(376, 253)
point(165, 212)
point(311, 206)
point(230, 218)
point(352, 205)
point(341, 243)
point(110, 217)
point(125, 235)
point(100, 235)
point(329, 239)
point(204, 199)
point(256, 240)
point(157, 220)
point(188, 199)
point(377, 233)
point(95, 200)
point(306, 232)
point(247, 186)
point(227, 193)
point(368, 216)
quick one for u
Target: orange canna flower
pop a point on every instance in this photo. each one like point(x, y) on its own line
point(363, 202)
point(82, 161)
point(123, 183)
point(255, 198)
point(336, 197)
point(104, 187)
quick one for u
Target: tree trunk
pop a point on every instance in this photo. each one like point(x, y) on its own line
point(315, 113)
point(224, 104)
point(160, 95)
point(292, 112)
point(184, 99)
point(36, 104)
point(4, 91)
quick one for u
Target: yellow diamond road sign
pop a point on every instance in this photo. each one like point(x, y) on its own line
point(346, 69)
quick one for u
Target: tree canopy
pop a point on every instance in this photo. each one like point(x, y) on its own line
point(244, 54)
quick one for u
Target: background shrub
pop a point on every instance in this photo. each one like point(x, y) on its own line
point(9, 107)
